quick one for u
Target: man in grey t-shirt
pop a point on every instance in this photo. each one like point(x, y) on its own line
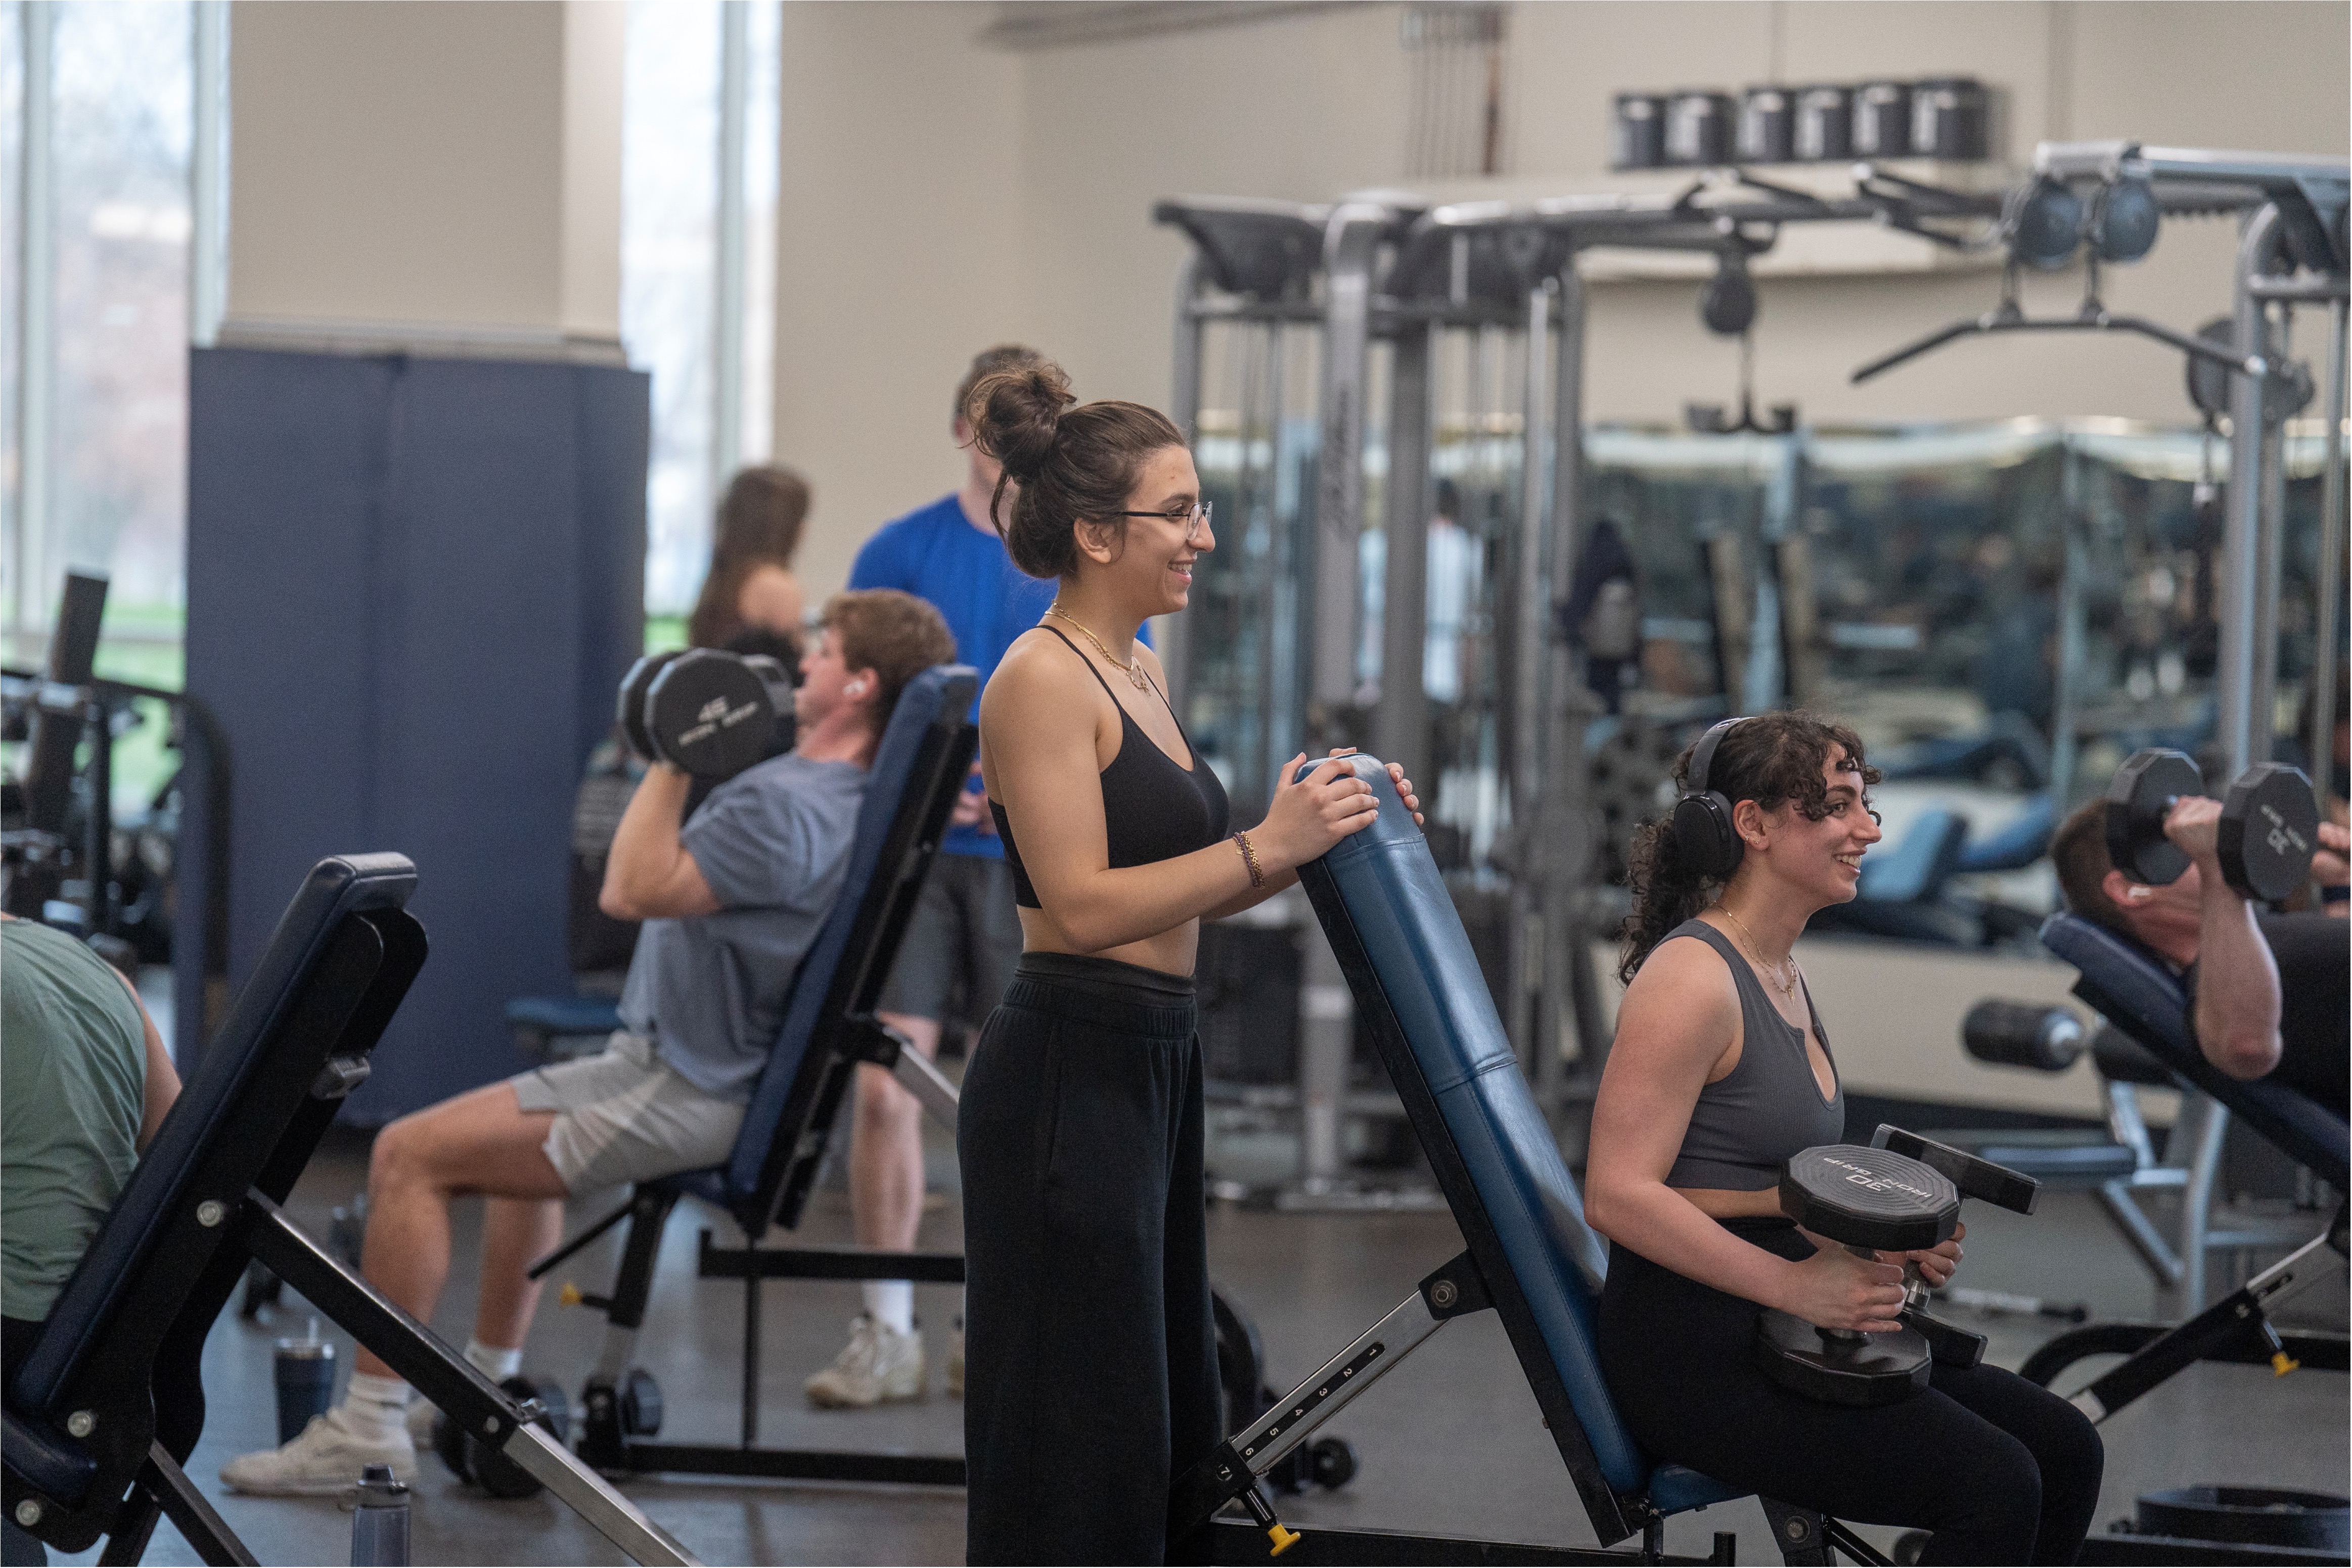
point(731, 899)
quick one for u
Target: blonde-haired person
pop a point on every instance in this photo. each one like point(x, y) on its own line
point(1091, 1360)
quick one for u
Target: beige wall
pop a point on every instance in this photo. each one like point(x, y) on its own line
point(940, 194)
point(450, 167)
point(899, 255)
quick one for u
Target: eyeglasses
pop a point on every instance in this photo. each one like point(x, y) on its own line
point(1196, 515)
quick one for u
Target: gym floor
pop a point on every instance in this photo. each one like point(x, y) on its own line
point(1450, 1444)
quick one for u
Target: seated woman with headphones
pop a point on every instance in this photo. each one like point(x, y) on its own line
point(1720, 1072)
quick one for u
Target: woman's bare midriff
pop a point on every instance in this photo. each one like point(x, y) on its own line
point(1718, 1203)
point(1171, 951)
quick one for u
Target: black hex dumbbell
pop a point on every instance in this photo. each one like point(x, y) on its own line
point(1902, 1194)
point(2269, 827)
point(711, 713)
point(1971, 1178)
point(1870, 1200)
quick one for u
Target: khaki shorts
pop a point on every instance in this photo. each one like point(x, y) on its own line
point(623, 1115)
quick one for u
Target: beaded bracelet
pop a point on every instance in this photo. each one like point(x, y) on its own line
point(1249, 859)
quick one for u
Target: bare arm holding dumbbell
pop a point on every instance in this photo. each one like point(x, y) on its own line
point(649, 874)
point(2236, 977)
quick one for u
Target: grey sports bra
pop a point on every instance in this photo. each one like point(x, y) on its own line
point(1767, 1107)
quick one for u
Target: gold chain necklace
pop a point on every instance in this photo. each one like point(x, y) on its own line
point(1787, 987)
point(1134, 665)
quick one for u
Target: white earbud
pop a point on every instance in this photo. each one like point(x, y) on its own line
point(2138, 892)
point(855, 688)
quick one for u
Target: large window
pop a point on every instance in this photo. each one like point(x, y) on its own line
point(698, 264)
point(100, 109)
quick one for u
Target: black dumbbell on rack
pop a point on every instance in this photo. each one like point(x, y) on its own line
point(2269, 827)
point(1902, 1194)
point(709, 713)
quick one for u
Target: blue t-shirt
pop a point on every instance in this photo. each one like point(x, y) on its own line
point(710, 990)
point(937, 555)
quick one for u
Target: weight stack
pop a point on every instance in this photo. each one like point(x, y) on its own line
point(1249, 980)
point(412, 584)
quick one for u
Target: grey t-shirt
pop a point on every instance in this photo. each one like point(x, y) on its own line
point(710, 990)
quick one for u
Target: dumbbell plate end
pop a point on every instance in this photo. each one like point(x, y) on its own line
point(1869, 1197)
point(2138, 798)
point(1878, 1369)
point(2269, 828)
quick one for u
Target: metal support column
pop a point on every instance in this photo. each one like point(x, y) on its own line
point(2243, 716)
point(731, 263)
point(1530, 645)
point(1570, 980)
point(208, 176)
point(1400, 726)
point(1329, 596)
point(2325, 670)
point(35, 226)
point(1184, 406)
point(2066, 703)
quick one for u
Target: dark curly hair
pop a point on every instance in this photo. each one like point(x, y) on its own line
point(1069, 463)
point(1773, 759)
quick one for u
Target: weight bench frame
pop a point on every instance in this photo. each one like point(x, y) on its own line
point(920, 766)
point(104, 1411)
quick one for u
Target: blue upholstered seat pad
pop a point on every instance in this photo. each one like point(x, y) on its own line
point(204, 1114)
point(2141, 996)
point(1917, 865)
point(1407, 923)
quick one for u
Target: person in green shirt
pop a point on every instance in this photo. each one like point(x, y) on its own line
point(84, 1082)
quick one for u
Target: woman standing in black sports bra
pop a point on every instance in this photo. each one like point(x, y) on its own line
point(1720, 1072)
point(1090, 1377)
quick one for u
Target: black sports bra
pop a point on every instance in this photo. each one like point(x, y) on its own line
point(1152, 809)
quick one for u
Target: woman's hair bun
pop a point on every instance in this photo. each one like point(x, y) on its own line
point(1015, 414)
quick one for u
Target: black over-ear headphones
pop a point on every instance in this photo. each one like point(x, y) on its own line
point(1704, 835)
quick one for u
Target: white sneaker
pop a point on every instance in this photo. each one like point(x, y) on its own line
point(955, 1362)
point(324, 1462)
point(880, 1366)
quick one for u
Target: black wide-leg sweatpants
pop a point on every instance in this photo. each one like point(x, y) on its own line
point(1090, 1367)
point(2000, 1471)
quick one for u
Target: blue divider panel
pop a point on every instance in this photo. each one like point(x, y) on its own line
point(412, 586)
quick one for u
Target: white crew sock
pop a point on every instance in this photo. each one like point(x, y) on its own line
point(494, 1362)
point(375, 1409)
point(891, 1304)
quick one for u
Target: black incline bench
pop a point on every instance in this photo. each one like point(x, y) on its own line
point(829, 1029)
point(1529, 1258)
point(2138, 993)
point(105, 1409)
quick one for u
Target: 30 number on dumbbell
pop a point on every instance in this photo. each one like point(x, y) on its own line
point(2269, 827)
point(710, 713)
point(1900, 1194)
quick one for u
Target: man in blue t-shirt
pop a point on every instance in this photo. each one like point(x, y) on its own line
point(732, 897)
point(964, 927)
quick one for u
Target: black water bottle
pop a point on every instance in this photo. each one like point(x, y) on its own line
point(304, 1372)
point(380, 1520)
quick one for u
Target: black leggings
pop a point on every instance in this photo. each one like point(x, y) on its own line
point(2000, 1470)
point(1090, 1355)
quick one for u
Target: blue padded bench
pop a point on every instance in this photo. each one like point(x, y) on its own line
point(2138, 993)
point(2135, 991)
point(1529, 1255)
point(919, 767)
point(106, 1408)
